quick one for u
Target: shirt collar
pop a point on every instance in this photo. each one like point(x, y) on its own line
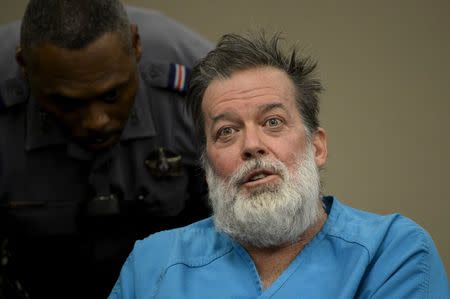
point(140, 122)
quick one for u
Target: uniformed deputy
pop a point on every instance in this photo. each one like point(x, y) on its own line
point(96, 147)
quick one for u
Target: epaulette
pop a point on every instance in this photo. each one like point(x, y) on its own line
point(13, 91)
point(171, 76)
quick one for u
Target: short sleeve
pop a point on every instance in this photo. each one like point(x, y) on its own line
point(124, 289)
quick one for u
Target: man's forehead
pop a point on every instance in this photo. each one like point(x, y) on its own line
point(108, 50)
point(250, 78)
point(261, 108)
point(85, 85)
point(86, 71)
point(258, 83)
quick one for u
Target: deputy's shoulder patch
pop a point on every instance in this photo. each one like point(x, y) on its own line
point(13, 91)
point(171, 76)
point(178, 77)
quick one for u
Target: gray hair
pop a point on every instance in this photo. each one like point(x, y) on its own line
point(72, 24)
point(237, 53)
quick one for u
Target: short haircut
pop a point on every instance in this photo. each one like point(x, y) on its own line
point(72, 24)
point(243, 52)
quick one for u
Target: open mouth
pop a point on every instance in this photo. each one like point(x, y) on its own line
point(259, 175)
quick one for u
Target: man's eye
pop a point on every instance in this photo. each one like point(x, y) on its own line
point(225, 132)
point(111, 96)
point(66, 104)
point(273, 122)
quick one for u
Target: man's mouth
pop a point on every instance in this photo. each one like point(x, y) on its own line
point(258, 176)
point(100, 141)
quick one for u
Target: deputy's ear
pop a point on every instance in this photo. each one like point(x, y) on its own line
point(320, 147)
point(136, 41)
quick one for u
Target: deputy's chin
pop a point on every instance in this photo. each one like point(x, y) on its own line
point(101, 144)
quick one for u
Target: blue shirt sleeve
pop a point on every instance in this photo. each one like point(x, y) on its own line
point(406, 265)
point(142, 271)
point(123, 288)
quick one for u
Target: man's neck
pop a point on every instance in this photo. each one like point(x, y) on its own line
point(271, 262)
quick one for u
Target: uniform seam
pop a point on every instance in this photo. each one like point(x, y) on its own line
point(425, 267)
point(192, 264)
point(353, 242)
point(161, 274)
point(199, 262)
point(167, 268)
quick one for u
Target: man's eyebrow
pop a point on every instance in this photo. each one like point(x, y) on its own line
point(268, 107)
point(218, 117)
point(118, 86)
point(262, 109)
point(60, 97)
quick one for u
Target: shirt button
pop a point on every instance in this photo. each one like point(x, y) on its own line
point(134, 119)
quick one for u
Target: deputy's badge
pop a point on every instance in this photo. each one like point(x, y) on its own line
point(163, 162)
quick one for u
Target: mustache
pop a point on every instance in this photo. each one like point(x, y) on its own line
point(249, 166)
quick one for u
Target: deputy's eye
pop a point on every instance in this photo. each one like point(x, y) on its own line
point(110, 96)
point(273, 122)
point(66, 104)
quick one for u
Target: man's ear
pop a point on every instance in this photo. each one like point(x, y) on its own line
point(136, 41)
point(320, 147)
point(20, 59)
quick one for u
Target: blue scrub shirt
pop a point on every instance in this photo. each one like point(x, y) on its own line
point(355, 255)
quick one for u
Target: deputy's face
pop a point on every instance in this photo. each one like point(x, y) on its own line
point(90, 91)
point(253, 114)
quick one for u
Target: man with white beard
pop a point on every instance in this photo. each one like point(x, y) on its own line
point(272, 234)
point(267, 215)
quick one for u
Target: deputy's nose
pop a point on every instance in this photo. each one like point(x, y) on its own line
point(96, 118)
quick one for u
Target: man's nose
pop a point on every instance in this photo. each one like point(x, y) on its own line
point(95, 118)
point(253, 145)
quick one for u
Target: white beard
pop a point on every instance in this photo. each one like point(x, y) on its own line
point(270, 215)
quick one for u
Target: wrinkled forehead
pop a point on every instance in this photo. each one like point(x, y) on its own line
point(101, 65)
point(108, 50)
point(262, 83)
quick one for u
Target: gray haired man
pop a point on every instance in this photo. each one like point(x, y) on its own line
point(272, 234)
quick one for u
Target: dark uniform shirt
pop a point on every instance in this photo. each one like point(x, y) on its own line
point(75, 214)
